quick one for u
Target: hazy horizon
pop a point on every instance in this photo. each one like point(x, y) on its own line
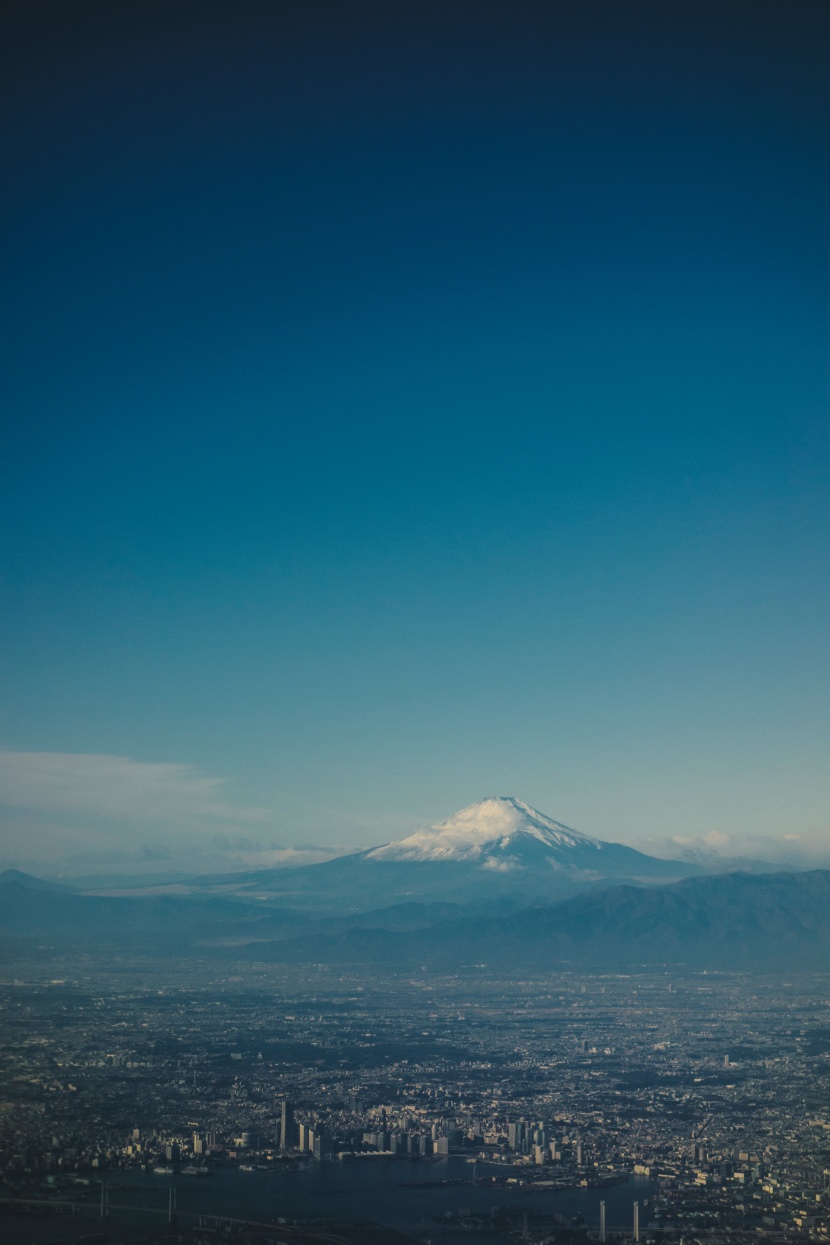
point(97, 851)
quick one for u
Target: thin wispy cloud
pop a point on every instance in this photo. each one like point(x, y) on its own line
point(67, 811)
point(70, 813)
point(114, 786)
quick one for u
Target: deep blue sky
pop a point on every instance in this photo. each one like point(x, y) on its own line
point(407, 402)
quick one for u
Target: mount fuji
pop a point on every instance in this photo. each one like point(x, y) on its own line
point(497, 849)
point(503, 833)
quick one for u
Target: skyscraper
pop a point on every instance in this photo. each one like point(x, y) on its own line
point(322, 1144)
point(287, 1128)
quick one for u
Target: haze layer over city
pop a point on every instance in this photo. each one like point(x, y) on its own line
point(414, 729)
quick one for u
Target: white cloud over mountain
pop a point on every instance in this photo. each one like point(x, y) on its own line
point(809, 849)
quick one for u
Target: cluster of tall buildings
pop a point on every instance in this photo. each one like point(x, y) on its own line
point(525, 1137)
point(314, 1138)
point(307, 1138)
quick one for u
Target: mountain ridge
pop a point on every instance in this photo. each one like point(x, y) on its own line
point(746, 922)
point(724, 922)
point(30, 882)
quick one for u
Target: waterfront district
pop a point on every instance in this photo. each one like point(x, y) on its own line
point(708, 1093)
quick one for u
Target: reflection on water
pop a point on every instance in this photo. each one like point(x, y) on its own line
point(407, 1196)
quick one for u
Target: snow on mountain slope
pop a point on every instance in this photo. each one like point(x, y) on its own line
point(498, 850)
point(498, 826)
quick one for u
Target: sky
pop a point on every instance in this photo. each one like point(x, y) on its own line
point(405, 403)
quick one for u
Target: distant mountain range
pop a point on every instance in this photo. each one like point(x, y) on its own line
point(29, 882)
point(498, 886)
point(732, 921)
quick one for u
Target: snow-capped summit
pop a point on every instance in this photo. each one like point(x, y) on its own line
point(499, 850)
point(499, 827)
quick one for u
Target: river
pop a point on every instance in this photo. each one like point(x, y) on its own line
point(401, 1195)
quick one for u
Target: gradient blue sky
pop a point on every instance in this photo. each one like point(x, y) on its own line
point(409, 402)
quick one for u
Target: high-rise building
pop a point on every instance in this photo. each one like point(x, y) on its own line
point(636, 1221)
point(287, 1129)
point(602, 1222)
point(322, 1144)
